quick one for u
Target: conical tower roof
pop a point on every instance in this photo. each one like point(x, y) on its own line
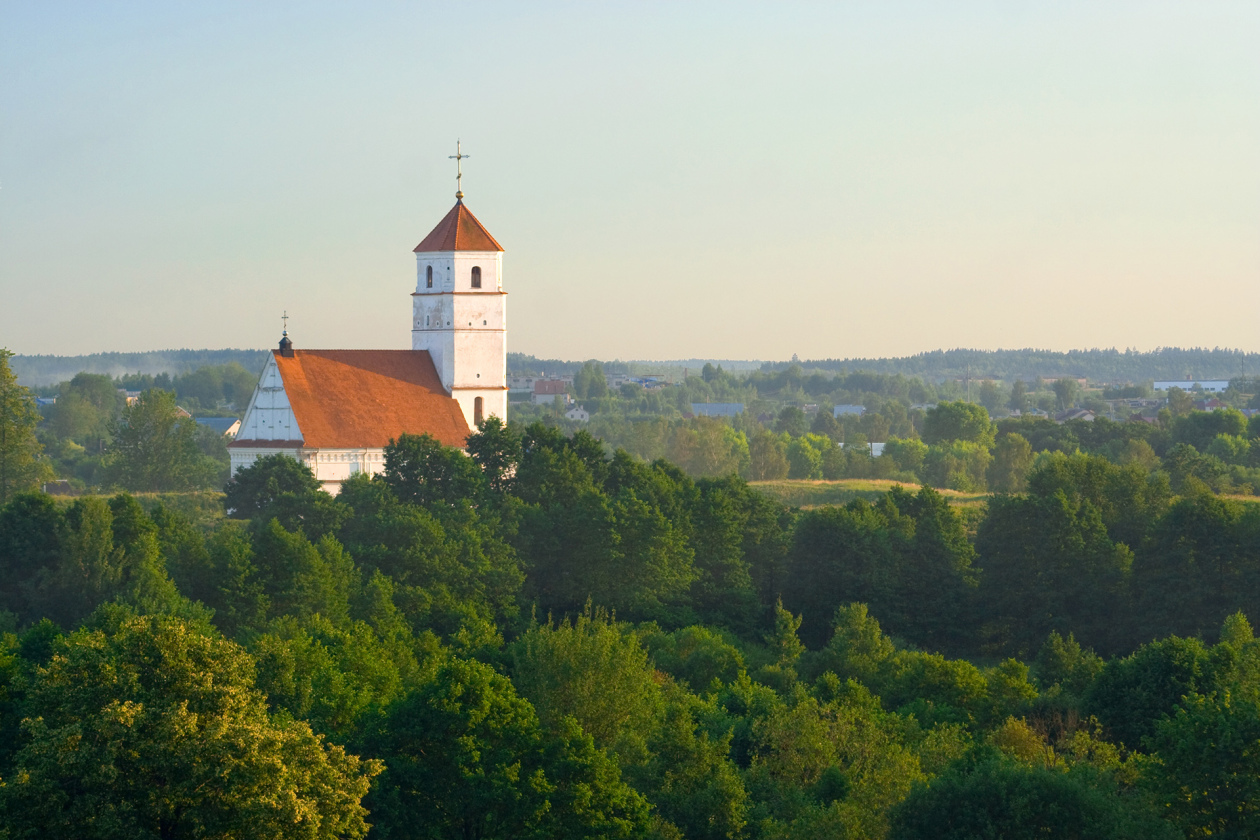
point(459, 230)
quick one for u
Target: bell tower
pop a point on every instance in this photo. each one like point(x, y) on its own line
point(459, 312)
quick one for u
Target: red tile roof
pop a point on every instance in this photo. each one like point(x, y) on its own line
point(458, 231)
point(347, 399)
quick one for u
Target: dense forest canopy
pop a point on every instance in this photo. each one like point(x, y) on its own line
point(537, 638)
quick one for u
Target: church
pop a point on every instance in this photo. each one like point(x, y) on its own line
point(335, 410)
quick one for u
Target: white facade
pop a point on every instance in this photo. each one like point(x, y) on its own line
point(330, 466)
point(1211, 386)
point(464, 327)
point(270, 422)
point(269, 416)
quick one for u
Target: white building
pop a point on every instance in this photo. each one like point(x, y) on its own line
point(579, 414)
point(336, 410)
point(547, 391)
point(460, 312)
point(1211, 386)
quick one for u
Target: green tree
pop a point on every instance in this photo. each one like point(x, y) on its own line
point(467, 758)
point(1132, 694)
point(792, 421)
point(1234, 450)
point(1064, 663)
point(1012, 459)
point(838, 555)
point(1206, 772)
point(330, 676)
point(957, 465)
point(696, 656)
point(723, 592)
point(1190, 471)
point(447, 573)
point(1180, 403)
point(108, 552)
point(594, 671)
point(767, 457)
point(1049, 565)
point(1126, 497)
point(21, 465)
point(784, 646)
point(496, 447)
point(589, 382)
point(1196, 566)
point(996, 797)
point(705, 446)
point(689, 777)
point(990, 395)
point(804, 460)
point(1200, 428)
point(302, 578)
point(283, 488)
point(958, 421)
point(86, 408)
point(825, 424)
point(144, 727)
point(421, 470)
point(1065, 392)
point(155, 449)
point(32, 538)
point(1019, 396)
point(907, 453)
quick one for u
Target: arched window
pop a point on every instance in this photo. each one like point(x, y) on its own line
point(428, 277)
point(477, 411)
point(476, 277)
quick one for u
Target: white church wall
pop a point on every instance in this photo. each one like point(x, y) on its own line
point(246, 456)
point(329, 466)
point(269, 415)
point(464, 328)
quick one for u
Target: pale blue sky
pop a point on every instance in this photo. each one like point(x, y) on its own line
point(669, 179)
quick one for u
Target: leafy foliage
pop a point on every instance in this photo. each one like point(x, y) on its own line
point(541, 639)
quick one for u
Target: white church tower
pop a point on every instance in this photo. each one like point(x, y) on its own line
point(459, 312)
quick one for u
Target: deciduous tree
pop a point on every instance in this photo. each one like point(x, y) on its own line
point(21, 467)
point(144, 727)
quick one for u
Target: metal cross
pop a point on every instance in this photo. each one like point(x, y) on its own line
point(285, 318)
point(458, 157)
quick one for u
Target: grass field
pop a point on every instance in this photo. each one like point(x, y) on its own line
point(804, 493)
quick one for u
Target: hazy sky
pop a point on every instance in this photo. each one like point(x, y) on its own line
point(669, 180)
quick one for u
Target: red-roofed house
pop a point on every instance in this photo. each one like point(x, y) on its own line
point(335, 410)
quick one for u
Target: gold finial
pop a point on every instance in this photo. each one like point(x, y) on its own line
point(458, 157)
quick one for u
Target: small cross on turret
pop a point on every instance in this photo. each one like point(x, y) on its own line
point(458, 157)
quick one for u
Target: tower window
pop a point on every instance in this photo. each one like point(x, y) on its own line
point(476, 283)
point(477, 411)
point(428, 277)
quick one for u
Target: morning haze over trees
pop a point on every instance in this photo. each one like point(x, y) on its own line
point(619, 628)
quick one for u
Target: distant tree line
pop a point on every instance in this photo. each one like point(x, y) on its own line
point(48, 370)
point(1101, 365)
